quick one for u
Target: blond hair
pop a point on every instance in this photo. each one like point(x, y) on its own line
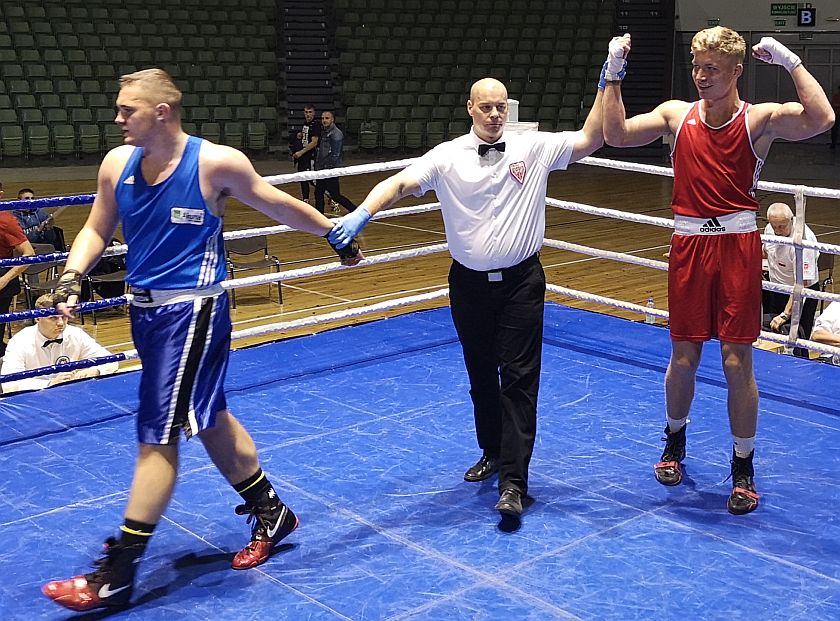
point(44, 301)
point(724, 41)
point(158, 86)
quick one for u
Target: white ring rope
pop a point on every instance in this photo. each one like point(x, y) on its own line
point(799, 291)
point(326, 268)
point(339, 315)
point(617, 214)
point(782, 188)
point(606, 254)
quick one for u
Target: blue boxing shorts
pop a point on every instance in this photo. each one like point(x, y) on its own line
point(183, 340)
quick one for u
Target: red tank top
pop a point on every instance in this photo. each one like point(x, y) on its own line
point(715, 169)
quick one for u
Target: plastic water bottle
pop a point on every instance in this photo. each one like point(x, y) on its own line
point(648, 317)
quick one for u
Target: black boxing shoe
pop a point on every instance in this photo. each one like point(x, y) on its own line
point(109, 586)
point(744, 498)
point(483, 469)
point(669, 469)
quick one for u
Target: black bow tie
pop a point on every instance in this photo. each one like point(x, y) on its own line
point(59, 341)
point(484, 148)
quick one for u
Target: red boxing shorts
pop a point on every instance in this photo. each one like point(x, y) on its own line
point(714, 287)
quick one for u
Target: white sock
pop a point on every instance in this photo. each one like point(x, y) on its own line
point(743, 446)
point(675, 424)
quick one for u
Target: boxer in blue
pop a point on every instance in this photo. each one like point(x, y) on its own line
point(169, 189)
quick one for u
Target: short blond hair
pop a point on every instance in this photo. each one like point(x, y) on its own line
point(158, 86)
point(44, 301)
point(722, 40)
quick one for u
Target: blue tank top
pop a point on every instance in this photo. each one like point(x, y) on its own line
point(174, 239)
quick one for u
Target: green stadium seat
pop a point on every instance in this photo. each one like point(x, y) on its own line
point(256, 138)
point(8, 116)
point(391, 135)
point(63, 139)
point(90, 140)
point(369, 135)
point(211, 131)
point(11, 141)
point(413, 135)
point(456, 128)
point(268, 115)
point(435, 133)
point(234, 134)
point(37, 140)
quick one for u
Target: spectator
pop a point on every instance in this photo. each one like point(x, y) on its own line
point(38, 225)
point(51, 341)
point(835, 103)
point(781, 261)
point(329, 154)
point(308, 136)
point(11, 238)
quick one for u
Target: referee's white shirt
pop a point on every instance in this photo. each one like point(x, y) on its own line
point(26, 351)
point(781, 260)
point(493, 206)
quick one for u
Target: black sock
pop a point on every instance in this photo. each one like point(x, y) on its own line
point(257, 491)
point(133, 532)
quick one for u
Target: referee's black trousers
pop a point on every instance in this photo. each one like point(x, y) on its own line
point(500, 326)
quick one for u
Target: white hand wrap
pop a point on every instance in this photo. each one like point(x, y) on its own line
point(616, 60)
point(771, 51)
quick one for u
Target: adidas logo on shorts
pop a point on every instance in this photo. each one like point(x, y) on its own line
point(712, 226)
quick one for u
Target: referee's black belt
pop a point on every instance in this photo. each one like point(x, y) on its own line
point(504, 273)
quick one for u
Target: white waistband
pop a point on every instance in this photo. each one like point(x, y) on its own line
point(158, 297)
point(740, 222)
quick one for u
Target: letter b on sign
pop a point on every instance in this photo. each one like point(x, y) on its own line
point(806, 17)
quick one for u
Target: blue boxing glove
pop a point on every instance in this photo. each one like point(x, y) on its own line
point(348, 227)
point(602, 81)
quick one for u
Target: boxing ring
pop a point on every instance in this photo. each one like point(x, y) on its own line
point(366, 431)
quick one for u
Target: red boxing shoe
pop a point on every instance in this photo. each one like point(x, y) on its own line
point(109, 586)
point(270, 527)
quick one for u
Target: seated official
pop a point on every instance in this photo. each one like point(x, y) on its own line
point(781, 263)
point(827, 326)
point(51, 341)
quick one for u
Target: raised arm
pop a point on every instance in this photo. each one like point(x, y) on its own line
point(811, 115)
point(590, 137)
point(619, 131)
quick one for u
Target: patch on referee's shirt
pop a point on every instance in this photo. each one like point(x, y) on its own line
point(517, 170)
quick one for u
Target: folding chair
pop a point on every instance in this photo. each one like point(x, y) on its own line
point(248, 254)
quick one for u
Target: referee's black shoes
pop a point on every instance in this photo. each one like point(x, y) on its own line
point(510, 503)
point(484, 468)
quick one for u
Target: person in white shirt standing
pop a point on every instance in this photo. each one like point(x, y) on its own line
point(491, 185)
point(49, 342)
point(781, 263)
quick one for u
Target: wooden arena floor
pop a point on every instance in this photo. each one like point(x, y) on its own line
point(632, 192)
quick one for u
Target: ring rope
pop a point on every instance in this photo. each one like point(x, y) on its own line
point(663, 314)
point(240, 334)
point(606, 254)
point(799, 191)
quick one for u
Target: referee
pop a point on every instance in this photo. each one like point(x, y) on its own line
point(491, 185)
